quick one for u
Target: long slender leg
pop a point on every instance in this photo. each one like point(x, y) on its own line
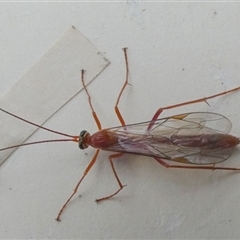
point(163, 163)
point(95, 156)
point(204, 99)
point(78, 184)
point(121, 186)
point(90, 101)
point(119, 115)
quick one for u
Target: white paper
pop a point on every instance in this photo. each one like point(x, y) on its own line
point(47, 86)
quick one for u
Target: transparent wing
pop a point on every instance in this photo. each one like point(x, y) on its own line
point(169, 138)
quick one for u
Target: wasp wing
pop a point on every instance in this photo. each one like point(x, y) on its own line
point(158, 140)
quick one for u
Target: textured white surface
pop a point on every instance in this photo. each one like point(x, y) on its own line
point(177, 52)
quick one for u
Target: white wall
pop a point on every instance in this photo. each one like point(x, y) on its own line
point(177, 52)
